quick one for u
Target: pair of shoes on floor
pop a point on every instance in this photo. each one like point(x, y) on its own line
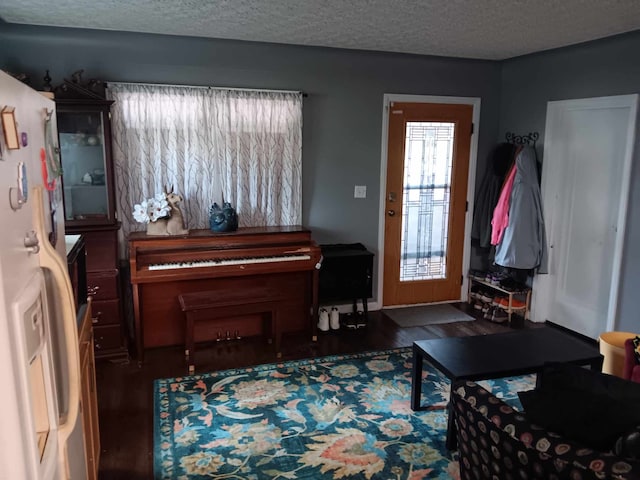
point(475, 292)
point(512, 285)
point(480, 295)
point(355, 320)
point(496, 278)
point(499, 316)
point(481, 306)
point(496, 315)
point(328, 320)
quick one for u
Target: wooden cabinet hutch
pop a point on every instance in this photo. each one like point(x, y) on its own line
point(84, 130)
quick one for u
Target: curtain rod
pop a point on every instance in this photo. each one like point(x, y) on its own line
point(207, 87)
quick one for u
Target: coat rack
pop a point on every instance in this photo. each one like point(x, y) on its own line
point(528, 139)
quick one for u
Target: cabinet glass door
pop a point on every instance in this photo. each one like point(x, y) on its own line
point(83, 153)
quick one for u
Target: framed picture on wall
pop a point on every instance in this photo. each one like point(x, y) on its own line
point(10, 128)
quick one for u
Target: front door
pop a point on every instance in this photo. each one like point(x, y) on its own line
point(427, 171)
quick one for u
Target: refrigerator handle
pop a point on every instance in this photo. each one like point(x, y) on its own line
point(51, 260)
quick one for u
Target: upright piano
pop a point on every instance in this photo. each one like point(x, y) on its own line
point(283, 261)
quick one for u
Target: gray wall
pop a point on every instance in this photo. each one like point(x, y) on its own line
point(602, 68)
point(342, 114)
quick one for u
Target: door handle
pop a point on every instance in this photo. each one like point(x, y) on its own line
point(391, 213)
point(50, 260)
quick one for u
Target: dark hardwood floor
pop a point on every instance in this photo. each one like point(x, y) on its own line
point(125, 390)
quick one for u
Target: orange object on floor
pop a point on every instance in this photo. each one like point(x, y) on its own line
point(612, 348)
point(504, 302)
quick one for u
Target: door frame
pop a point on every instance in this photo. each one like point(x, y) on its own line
point(471, 180)
point(555, 110)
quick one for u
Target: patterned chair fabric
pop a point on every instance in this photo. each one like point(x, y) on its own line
point(631, 370)
point(497, 442)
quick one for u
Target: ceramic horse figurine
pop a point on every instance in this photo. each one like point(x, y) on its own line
point(174, 225)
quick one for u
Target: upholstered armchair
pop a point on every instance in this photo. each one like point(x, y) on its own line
point(631, 366)
point(497, 442)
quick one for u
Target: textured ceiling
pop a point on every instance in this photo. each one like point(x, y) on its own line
point(484, 29)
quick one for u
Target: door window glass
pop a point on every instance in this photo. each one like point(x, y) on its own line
point(425, 200)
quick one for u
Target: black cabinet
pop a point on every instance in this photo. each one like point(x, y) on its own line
point(346, 274)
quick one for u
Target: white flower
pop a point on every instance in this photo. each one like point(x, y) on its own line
point(152, 209)
point(158, 207)
point(140, 212)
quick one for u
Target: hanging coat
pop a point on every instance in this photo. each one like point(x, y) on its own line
point(523, 241)
point(501, 212)
point(488, 193)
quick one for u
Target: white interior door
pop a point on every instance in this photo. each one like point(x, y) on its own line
point(585, 186)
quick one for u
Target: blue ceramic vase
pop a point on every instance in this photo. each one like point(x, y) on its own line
point(223, 219)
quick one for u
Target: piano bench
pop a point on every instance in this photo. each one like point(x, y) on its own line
point(211, 306)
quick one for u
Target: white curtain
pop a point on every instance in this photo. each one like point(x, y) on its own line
point(208, 143)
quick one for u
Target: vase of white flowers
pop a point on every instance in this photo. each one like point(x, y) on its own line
point(152, 209)
point(162, 214)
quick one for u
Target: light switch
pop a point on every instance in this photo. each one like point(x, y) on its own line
point(360, 191)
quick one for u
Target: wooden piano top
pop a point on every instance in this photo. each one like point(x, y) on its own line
point(242, 236)
point(145, 250)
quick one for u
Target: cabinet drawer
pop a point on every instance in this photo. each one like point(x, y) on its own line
point(102, 285)
point(102, 253)
point(105, 312)
point(107, 338)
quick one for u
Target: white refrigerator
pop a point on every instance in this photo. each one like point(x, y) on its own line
point(41, 431)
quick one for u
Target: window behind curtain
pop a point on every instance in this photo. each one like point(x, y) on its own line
point(208, 143)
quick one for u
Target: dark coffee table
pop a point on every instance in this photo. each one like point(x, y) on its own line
point(499, 355)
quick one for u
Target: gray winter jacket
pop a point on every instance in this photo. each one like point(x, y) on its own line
point(523, 242)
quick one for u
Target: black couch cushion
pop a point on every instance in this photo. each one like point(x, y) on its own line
point(589, 407)
point(628, 445)
point(559, 376)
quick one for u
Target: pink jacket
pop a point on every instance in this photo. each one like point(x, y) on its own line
point(500, 219)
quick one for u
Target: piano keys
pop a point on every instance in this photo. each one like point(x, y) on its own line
point(281, 260)
point(218, 262)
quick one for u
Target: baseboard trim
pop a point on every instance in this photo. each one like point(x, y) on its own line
point(571, 332)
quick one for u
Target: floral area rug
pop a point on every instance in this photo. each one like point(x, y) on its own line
point(330, 417)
